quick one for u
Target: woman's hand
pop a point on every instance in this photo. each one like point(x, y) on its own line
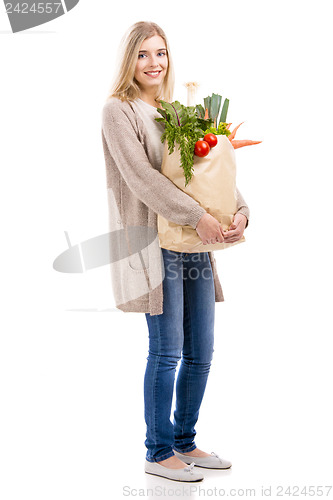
point(236, 229)
point(209, 230)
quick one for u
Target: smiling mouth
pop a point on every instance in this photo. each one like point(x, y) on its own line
point(153, 73)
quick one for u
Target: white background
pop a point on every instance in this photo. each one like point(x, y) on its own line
point(71, 421)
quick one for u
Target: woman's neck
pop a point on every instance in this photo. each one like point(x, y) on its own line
point(149, 98)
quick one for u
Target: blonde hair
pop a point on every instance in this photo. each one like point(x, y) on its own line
point(125, 86)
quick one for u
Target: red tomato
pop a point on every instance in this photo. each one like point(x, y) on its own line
point(211, 139)
point(201, 148)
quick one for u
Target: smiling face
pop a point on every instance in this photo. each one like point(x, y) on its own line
point(152, 64)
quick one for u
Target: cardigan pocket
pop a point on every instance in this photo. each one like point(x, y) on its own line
point(139, 261)
point(129, 285)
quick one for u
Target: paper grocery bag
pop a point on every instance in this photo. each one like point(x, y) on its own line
point(213, 186)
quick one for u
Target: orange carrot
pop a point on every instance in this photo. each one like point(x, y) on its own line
point(233, 133)
point(206, 114)
point(242, 143)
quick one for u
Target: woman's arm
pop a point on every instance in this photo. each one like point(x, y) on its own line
point(148, 184)
point(242, 207)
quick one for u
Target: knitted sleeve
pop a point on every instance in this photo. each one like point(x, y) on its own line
point(242, 207)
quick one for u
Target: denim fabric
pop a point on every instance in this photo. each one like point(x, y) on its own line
point(184, 331)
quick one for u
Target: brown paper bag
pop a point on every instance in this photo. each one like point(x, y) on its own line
point(213, 186)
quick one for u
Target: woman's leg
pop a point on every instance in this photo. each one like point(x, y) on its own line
point(199, 316)
point(165, 345)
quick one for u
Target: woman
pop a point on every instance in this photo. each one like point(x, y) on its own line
point(176, 291)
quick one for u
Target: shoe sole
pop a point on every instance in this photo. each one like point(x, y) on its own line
point(173, 479)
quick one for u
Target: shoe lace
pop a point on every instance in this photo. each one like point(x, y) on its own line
point(189, 468)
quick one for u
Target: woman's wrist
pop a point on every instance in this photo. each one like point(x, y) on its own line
point(245, 215)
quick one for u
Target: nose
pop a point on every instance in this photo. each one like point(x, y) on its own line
point(154, 61)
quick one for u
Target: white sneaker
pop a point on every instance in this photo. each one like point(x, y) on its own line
point(185, 474)
point(211, 462)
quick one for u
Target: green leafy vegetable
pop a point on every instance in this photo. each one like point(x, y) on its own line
point(184, 127)
point(221, 130)
point(200, 111)
point(213, 105)
point(224, 111)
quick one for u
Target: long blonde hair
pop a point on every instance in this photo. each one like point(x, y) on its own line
point(125, 86)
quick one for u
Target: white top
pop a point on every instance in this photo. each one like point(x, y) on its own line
point(155, 129)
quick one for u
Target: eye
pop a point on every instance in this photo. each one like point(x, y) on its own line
point(162, 54)
point(142, 55)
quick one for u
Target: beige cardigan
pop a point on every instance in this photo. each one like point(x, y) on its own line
point(137, 192)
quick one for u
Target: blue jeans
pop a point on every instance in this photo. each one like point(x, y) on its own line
point(185, 328)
